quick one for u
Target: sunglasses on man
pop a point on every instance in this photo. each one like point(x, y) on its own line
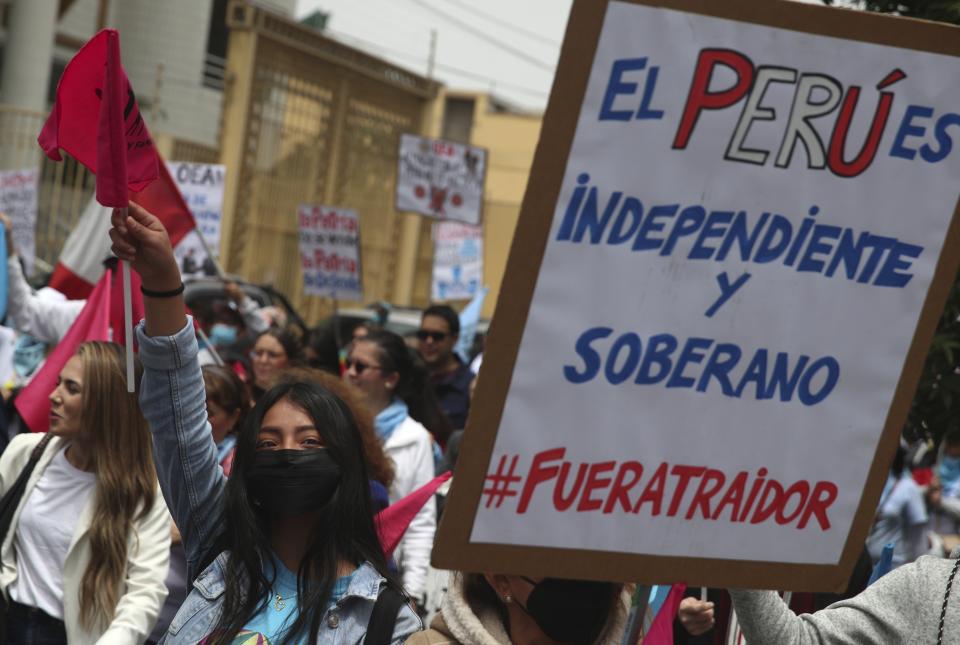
point(435, 336)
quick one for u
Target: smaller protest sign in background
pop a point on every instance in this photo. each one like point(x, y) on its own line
point(330, 252)
point(202, 187)
point(441, 179)
point(457, 261)
point(18, 199)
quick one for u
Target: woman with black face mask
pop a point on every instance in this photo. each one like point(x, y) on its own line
point(286, 549)
point(482, 609)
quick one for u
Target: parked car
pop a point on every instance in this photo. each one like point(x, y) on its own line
point(203, 294)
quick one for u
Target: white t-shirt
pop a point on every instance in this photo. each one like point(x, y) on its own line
point(45, 531)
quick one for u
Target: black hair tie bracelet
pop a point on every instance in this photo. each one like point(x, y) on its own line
point(161, 294)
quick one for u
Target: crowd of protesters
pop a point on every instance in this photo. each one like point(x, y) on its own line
point(233, 497)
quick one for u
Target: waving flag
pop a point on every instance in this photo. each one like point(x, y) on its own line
point(97, 120)
point(392, 522)
point(81, 261)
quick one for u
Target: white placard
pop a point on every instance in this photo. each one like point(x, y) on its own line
point(18, 199)
point(730, 286)
point(330, 252)
point(441, 179)
point(202, 187)
point(457, 261)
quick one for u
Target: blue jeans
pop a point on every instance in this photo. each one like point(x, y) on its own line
point(31, 626)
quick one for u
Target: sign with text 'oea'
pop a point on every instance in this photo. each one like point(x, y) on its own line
point(201, 185)
point(734, 247)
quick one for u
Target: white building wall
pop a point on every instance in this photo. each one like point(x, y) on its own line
point(80, 21)
point(172, 33)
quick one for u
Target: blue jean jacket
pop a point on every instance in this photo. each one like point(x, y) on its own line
point(173, 400)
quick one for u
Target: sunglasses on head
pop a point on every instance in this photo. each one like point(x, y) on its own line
point(435, 336)
point(360, 366)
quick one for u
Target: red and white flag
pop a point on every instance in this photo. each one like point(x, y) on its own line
point(81, 261)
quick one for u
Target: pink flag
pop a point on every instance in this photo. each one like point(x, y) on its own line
point(97, 120)
point(661, 631)
point(93, 323)
point(392, 522)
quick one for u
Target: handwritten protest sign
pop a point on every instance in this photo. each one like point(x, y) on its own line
point(18, 199)
point(457, 261)
point(735, 244)
point(330, 252)
point(441, 179)
point(202, 187)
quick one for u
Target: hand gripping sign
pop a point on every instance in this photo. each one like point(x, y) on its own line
point(735, 245)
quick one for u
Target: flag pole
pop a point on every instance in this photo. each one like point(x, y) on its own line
point(213, 352)
point(128, 317)
point(209, 252)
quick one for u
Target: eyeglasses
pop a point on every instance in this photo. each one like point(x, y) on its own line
point(360, 366)
point(435, 336)
point(266, 353)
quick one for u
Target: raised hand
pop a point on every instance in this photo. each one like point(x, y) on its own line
point(696, 616)
point(140, 239)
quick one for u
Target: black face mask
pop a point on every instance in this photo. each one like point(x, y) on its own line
point(289, 482)
point(570, 611)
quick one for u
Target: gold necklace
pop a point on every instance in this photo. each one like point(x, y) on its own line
point(279, 603)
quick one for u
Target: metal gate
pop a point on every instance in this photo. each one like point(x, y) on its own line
point(310, 120)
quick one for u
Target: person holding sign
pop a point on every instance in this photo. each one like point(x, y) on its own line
point(916, 603)
point(286, 548)
point(490, 608)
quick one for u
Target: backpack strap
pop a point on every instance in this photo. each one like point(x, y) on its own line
point(383, 618)
point(13, 496)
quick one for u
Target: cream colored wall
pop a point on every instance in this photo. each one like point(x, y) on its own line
point(511, 140)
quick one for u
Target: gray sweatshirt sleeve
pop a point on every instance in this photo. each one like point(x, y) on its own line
point(898, 608)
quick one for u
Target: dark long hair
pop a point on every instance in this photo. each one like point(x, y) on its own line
point(344, 528)
point(414, 384)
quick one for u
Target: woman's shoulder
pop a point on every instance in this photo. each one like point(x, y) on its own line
point(21, 446)
point(410, 431)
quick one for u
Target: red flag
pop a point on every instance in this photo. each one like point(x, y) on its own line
point(392, 522)
point(96, 119)
point(165, 201)
point(93, 323)
point(111, 140)
point(81, 261)
point(661, 631)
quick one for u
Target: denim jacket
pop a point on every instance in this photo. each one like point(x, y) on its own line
point(173, 400)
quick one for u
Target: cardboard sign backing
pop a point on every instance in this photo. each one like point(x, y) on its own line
point(568, 408)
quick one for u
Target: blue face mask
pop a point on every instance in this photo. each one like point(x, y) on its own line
point(949, 471)
point(222, 335)
point(27, 355)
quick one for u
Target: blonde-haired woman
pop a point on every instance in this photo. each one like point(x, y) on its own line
point(85, 557)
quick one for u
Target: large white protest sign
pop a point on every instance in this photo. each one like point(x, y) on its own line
point(441, 179)
point(457, 261)
point(18, 199)
point(330, 252)
point(746, 214)
point(202, 187)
